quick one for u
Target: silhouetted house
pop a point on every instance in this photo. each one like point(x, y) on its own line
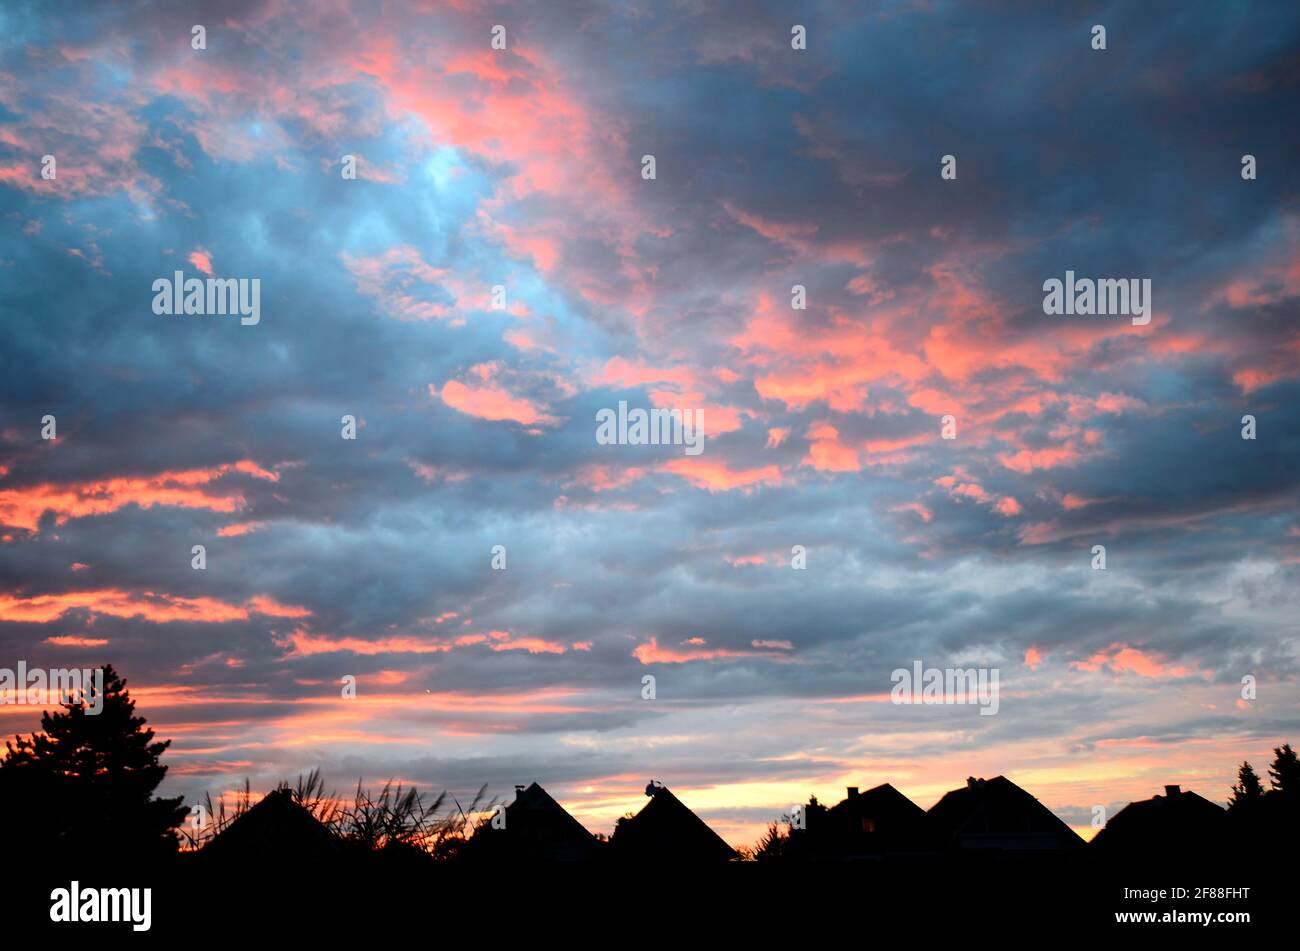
point(998, 814)
point(878, 822)
point(537, 829)
point(1178, 821)
point(277, 830)
point(666, 831)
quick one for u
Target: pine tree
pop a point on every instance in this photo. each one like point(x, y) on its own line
point(1248, 789)
point(771, 846)
point(1285, 771)
point(87, 780)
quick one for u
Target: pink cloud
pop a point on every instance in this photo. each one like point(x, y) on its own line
point(603, 478)
point(202, 260)
point(915, 507)
point(827, 453)
point(1029, 460)
point(717, 476)
point(490, 401)
point(651, 653)
point(398, 278)
point(1119, 658)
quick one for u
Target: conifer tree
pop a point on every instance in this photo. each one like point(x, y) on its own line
point(1285, 771)
point(1248, 789)
point(86, 781)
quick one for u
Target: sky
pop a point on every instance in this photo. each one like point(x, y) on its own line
point(475, 419)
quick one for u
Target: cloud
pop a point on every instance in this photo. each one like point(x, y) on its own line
point(521, 169)
point(156, 608)
point(1119, 658)
point(23, 507)
point(488, 401)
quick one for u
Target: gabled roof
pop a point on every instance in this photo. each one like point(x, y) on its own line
point(883, 801)
point(998, 814)
point(1178, 820)
point(535, 812)
point(880, 820)
point(666, 830)
point(537, 828)
point(276, 829)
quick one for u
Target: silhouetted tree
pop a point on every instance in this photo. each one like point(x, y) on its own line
point(1248, 789)
point(771, 847)
point(1285, 771)
point(86, 782)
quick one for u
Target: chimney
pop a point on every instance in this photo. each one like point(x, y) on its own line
point(970, 782)
point(853, 792)
point(519, 791)
point(1171, 792)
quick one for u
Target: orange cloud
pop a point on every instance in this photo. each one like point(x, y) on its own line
point(651, 653)
point(534, 645)
point(239, 528)
point(1119, 658)
point(260, 604)
point(23, 507)
point(72, 640)
point(304, 644)
point(146, 605)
